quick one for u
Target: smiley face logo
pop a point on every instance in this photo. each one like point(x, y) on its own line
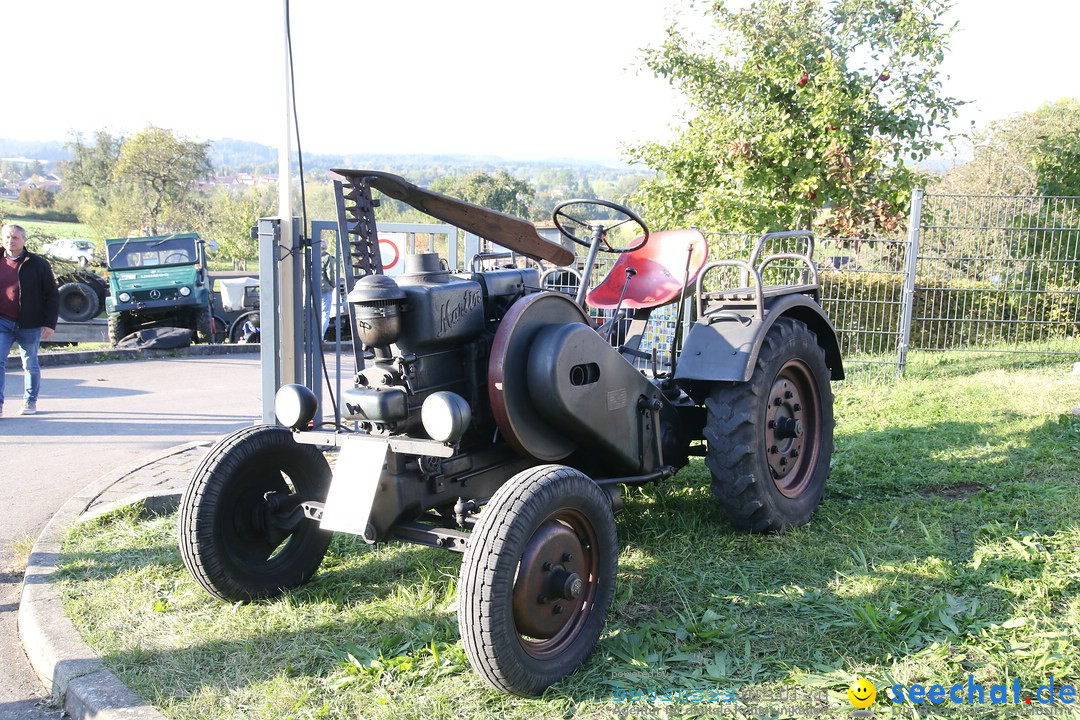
point(862, 693)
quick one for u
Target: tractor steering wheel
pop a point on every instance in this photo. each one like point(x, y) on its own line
point(596, 228)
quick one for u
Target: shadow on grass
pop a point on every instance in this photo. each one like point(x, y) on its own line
point(886, 575)
point(954, 364)
point(901, 460)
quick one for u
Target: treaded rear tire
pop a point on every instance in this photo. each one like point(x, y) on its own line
point(740, 442)
point(220, 545)
point(541, 497)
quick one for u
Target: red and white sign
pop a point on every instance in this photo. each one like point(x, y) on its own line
point(392, 251)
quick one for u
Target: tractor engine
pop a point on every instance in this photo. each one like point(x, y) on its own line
point(458, 359)
point(430, 332)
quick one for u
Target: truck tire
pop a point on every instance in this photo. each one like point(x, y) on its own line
point(537, 579)
point(226, 540)
point(119, 328)
point(203, 321)
point(770, 440)
point(236, 330)
point(101, 287)
point(220, 330)
point(78, 302)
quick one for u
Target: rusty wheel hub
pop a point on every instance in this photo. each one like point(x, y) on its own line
point(555, 582)
point(791, 428)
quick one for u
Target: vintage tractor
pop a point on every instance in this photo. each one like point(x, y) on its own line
point(494, 419)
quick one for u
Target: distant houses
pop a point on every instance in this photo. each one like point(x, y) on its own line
point(48, 181)
point(239, 181)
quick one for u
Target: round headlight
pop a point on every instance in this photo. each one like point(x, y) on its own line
point(295, 406)
point(445, 416)
point(125, 297)
point(185, 291)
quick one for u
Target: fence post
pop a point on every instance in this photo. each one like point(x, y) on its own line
point(914, 228)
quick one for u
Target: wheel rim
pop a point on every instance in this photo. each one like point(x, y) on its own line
point(248, 534)
point(555, 588)
point(793, 428)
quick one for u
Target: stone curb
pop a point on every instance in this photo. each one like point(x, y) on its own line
point(80, 357)
point(68, 667)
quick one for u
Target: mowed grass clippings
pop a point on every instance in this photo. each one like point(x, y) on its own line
point(948, 545)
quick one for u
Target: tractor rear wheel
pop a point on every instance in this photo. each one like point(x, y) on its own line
point(241, 537)
point(537, 579)
point(770, 440)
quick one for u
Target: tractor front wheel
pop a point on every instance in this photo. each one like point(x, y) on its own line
point(770, 440)
point(537, 579)
point(243, 534)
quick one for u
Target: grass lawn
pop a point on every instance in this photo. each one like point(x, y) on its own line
point(39, 231)
point(948, 545)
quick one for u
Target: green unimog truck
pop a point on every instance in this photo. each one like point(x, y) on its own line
point(158, 281)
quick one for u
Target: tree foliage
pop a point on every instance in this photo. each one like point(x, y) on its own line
point(500, 191)
point(1032, 153)
point(228, 218)
point(142, 185)
point(157, 170)
point(803, 111)
point(88, 174)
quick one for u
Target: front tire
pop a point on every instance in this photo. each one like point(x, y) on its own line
point(770, 440)
point(203, 331)
point(537, 579)
point(120, 326)
point(228, 540)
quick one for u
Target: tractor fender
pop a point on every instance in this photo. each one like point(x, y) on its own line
point(727, 350)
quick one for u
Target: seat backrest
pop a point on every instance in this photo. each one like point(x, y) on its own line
point(660, 266)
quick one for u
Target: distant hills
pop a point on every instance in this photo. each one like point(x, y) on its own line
point(244, 155)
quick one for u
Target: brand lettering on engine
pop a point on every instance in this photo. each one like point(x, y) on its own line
point(452, 313)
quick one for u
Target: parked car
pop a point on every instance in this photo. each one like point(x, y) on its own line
point(74, 249)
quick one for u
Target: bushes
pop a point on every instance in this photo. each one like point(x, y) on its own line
point(867, 307)
point(37, 198)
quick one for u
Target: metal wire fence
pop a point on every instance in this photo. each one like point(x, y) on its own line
point(997, 274)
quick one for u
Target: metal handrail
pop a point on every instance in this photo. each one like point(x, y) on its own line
point(560, 269)
point(747, 267)
point(793, 256)
point(779, 235)
point(512, 256)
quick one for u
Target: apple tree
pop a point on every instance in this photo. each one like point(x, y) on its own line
point(802, 113)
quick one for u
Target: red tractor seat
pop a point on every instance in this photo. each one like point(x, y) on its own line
point(661, 268)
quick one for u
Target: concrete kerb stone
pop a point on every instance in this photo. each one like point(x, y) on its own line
point(81, 357)
point(68, 667)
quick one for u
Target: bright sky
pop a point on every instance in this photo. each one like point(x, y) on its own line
point(522, 80)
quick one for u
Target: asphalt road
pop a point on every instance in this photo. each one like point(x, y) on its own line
point(92, 419)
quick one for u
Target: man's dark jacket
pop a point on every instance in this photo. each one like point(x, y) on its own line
point(39, 300)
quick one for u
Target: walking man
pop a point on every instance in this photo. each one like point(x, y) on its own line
point(29, 303)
